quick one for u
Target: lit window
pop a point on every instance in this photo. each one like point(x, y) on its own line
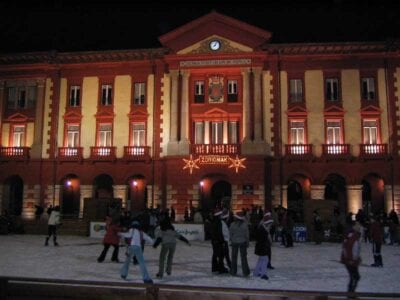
point(333, 132)
point(232, 91)
point(72, 136)
point(199, 133)
point(370, 130)
point(139, 134)
point(297, 132)
point(199, 91)
point(106, 94)
point(296, 90)
point(368, 89)
point(74, 96)
point(18, 136)
point(233, 132)
point(217, 132)
point(140, 93)
point(105, 134)
point(332, 89)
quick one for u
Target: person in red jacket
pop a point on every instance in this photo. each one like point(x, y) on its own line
point(350, 255)
point(111, 238)
point(376, 233)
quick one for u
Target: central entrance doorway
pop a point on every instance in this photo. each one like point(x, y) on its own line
point(221, 194)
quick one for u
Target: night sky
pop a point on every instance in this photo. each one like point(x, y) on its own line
point(131, 24)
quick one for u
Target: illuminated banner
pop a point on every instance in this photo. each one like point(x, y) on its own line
point(192, 163)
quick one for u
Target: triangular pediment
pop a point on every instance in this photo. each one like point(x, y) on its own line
point(72, 115)
point(104, 114)
point(17, 117)
point(232, 34)
point(216, 113)
point(334, 110)
point(297, 110)
point(371, 110)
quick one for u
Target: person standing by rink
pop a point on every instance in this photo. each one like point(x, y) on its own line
point(350, 255)
point(217, 242)
point(53, 222)
point(167, 237)
point(240, 237)
point(136, 236)
point(263, 246)
point(376, 234)
point(225, 233)
point(111, 238)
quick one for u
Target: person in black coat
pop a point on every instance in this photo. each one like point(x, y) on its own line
point(263, 246)
point(217, 242)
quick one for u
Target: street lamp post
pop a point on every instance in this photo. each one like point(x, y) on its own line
point(201, 194)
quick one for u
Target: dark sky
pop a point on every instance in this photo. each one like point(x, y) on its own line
point(69, 25)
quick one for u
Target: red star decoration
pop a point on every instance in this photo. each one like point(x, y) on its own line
point(237, 163)
point(191, 163)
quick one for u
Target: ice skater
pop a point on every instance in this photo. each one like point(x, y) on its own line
point(136, 236)
point(52, 223)
point(167, 237)
point(111, 238)
point(263, 246)
point(376, 234)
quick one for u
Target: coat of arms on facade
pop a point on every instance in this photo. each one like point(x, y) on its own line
point(216, 89)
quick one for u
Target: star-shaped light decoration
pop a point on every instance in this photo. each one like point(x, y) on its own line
point(237, 163)
point(191, 163)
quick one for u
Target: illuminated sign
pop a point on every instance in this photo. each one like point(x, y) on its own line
point(192, 163)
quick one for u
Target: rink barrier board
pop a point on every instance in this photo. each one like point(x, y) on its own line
point(36, 288)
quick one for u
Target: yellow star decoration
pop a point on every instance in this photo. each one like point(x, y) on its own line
point(237, 163)
point(191, 163)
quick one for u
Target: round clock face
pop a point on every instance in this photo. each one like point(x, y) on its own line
point(215, 45)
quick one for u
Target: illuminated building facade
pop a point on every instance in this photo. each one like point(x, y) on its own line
point(218, 115)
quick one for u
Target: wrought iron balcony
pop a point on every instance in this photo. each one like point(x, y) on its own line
point(103, 153)
point(14, 153)
point(70, 153)
point(136, 153)
point(336, 150)
point(298, 151)
point(215, 149)
point(373, 150)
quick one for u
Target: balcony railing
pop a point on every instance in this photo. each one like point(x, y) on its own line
point(215, 149)
point(103, 153)
point(70, 153)
point(299, 150)
point(14, 153)
point(136, 152)
point(336, 149)
point(373, 150)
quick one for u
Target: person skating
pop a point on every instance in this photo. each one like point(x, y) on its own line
point(350, 256)
point(217, 242)
point(239, 237)
point(52, 223)
point(376, 234)
point(136, 236)
point(167, 237)
point(111, 238)
point(263, 246)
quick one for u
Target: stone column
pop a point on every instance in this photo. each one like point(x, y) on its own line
point(36, 149)
point(257, 105)
point(317, 192)
point(86, 192)
point(226, 132)
point(120, 191)
point(388, 198)
point(284, 196)
point(184, 141)
point(354, 198)
point(174, 106)
point(207, 132)
point(150, 200)
point(246, 105)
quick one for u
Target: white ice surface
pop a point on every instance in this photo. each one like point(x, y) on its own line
point(304, 267)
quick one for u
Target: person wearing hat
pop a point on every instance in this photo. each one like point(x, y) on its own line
point(350, 255)
point(217, 242)
point(136, 236)
point(239, 237)
point(376, 232)
point(263, 246)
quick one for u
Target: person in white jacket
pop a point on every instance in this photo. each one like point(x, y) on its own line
point(53, 222)
point(135, 249)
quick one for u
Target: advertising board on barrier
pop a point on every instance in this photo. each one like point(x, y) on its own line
point(300, 233)
point(97, 229)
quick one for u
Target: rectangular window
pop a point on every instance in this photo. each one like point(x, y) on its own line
point(232, 91)
point(199, 91)
point(139, 93)
point(21, 97)
point(72, 136)
point(370, 130)
point(12, 98)
point(333, 132)
point(106, 94)
point(368, 88)
point(31, 96)
point(139, 134)
point(295, 90)
point(75, 96)
point(18, 136)
point(233, 132)
point(297, 132)
point(217, 133)
point(199, 133)
point(105, 135)
point(332, 89)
